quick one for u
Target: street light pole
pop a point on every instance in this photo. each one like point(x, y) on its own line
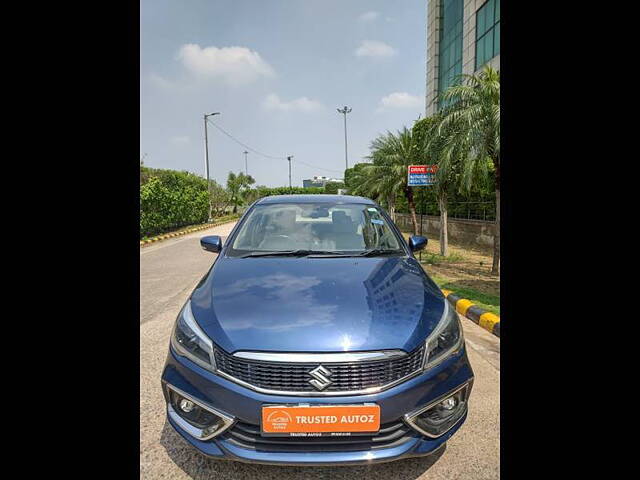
point(246, 169)
point(289, 158)
point(344, 111)
point(206, 157)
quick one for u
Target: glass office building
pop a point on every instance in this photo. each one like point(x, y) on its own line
point(462, 36)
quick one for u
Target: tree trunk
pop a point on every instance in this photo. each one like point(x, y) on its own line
point(495, 268)
point(412, 209)
point(444, 226)
point(392, 207)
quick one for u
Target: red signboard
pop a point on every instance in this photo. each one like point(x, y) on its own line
point(421, 175)
point(424, 169)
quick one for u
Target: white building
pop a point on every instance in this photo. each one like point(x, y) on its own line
point(319, 181)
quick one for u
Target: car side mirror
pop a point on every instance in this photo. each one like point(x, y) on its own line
point(416, 242)
point(211, 243)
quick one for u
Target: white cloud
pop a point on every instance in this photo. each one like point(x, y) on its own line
point(302, 104)
point(180, 140)
point(368, 17)
point(159, 81)
point(374, 48)
point(235, 65)
point(400, 100)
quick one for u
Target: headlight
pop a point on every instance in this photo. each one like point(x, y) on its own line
point(445, 340)
point(190, 341)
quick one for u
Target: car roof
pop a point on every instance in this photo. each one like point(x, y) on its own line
point(320, 198)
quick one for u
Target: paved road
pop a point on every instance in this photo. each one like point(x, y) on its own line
point(168, 273)
point(170, 269)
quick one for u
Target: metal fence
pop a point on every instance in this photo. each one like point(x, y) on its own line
point(461, 210)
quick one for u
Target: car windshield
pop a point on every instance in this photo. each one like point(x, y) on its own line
point(315, 228)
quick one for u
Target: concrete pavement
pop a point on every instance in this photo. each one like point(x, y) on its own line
point(171, 268)
point(168, 273)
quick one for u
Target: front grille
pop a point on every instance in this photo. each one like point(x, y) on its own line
point(248, 436)
point(294, 377)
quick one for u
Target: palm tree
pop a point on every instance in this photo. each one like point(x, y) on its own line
point(468, 132)
point(237, 185)
point(428, 146)
point(375, 181)
point(392, 154)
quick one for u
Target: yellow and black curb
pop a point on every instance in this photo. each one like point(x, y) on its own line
point(487, 320)
point(144, 243)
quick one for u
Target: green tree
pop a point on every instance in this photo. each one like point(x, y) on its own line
point(253, 194)
point(332, 187)
point(375, 180)
point(351, 176)
point(468, 134)
point(238, 185)
point(392, 154)
point(220, 199)
point(428, 145)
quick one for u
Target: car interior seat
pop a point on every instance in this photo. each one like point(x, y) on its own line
point(344, 232)
point(281, 235)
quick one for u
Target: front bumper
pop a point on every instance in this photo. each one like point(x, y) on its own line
point(245, 406)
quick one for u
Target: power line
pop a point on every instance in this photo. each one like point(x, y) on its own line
point(319, 168)
point(245, 145)
point(264, 154)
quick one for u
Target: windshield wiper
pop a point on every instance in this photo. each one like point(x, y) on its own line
point(291, 253)
point(330, 253)
point(378, 251)
point(321, 253)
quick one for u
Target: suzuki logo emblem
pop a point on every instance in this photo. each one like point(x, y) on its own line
point(320, 377)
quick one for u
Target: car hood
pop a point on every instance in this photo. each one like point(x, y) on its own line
point(317, 304)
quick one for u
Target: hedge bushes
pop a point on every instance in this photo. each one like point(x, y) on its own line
point(268, 192)
point(170, 200)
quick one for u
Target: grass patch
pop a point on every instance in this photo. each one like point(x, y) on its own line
point(431, 258)
point(466, 271)
point(486, 301)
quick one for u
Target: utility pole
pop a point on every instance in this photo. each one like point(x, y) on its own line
point(344, 111)
point(206, 157)
point(246, 169)
point(289, 158)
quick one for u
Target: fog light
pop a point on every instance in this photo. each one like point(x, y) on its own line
point(439, 417)
point(449, 404)
point(199, 420)
point(186, 405)
point(212, 429)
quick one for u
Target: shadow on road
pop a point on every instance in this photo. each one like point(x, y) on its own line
point(199, 467)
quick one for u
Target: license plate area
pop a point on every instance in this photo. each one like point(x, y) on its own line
point(302, 420)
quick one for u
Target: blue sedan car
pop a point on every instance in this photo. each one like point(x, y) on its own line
point(316, 338)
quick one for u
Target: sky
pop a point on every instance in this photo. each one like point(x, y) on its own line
point(276, 70)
